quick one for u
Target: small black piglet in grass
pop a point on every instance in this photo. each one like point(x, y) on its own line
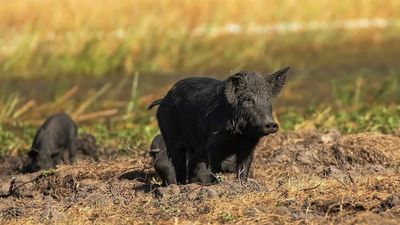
point(57, 135)
point(213, 119)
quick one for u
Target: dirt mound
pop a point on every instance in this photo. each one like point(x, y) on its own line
point(298, 177)
point(372, 219)
point(368, 148)
point(328, 153)
point(50, 195)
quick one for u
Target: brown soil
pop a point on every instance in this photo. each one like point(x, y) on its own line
point(297, 177)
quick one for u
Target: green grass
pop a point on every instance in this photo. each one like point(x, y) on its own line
point(368, 118)
point(354, 104)
point(133, 133)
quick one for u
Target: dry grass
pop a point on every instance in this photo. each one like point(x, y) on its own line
point(47, 15)
point(85, 37)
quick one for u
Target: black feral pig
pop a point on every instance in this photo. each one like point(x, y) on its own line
point(210, 120)
point(53, 138)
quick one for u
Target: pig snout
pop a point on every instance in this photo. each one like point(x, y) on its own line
point(270, 127)
point(265, 126)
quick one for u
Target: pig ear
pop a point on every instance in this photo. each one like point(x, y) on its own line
point(276, 81)
point(231, 86)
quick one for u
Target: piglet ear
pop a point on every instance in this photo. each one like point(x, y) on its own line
point(276, 81)
point(232, 84)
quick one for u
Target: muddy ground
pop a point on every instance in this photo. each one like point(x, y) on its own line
point(297, 178)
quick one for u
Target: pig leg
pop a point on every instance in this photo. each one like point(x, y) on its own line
point(244, 158)
point(199, 171)
point(72, 150)
point(203, 173)
point(215, 161)
point(228, 165)
point(57, 158)
point(165, 168)
point(216, 154)
point(243, 167)
point(178, 159)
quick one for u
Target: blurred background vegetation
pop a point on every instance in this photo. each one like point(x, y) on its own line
point(103, 62)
